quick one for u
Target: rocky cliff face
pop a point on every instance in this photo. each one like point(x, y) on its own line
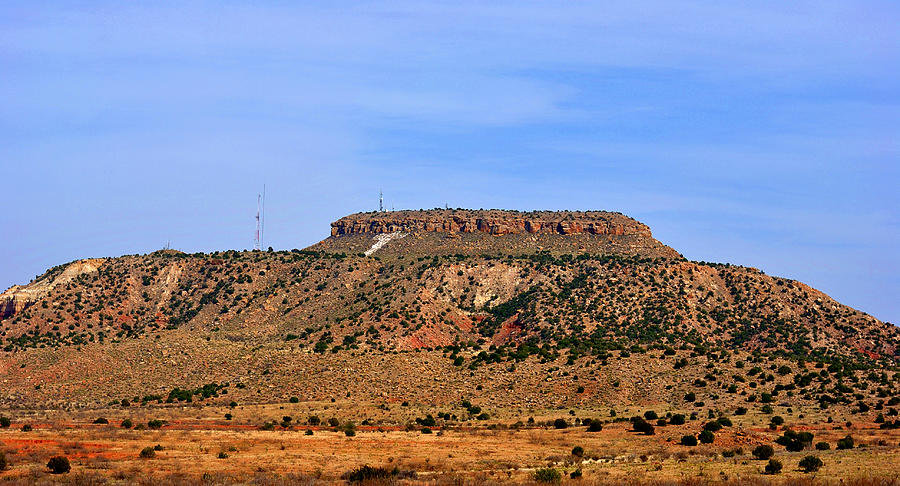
point(18, 297)
point(494, 222)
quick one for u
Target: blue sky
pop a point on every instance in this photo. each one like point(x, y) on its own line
point(758, 133)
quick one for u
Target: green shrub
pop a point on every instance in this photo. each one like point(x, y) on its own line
point(59, 465)
point(810, 464)
point(294, 400)
point(578, 451)
point(763, 452)
point(5, 422)
point(650, 415)
point(845, 443)
point(823, 446)
point(642, 426)
point(547, 475)
point(773, 467)
point(677, 419)
point(370, 474)
point(155, 424)
point(27, 428)
point(575, 474)
point(595, 426)
point(101, 420)
point(688, 440)
point(560, 423)
point(127, 424)
point(706, 437)
point(147, 453)
point(3, 463)
point(222, 455)
point(713, 426)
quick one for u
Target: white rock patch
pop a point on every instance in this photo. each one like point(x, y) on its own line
point(383, 239)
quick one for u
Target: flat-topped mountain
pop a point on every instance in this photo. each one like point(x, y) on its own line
point(425, 305)
point(492, 232)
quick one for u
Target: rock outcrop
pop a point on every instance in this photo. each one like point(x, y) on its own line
point(18, 297)
point(494, 222)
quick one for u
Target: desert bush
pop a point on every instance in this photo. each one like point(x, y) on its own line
point(27, 428)
point(560, 423)
point(795, 441)
point(823, 446)
point(845, 443)
point(713, 426)
point(294, 400)
point(575, 474)
point(763, 452)
point(127, 424)
point(810, 464)
point(101, 420)
point(547, 475)
point(5, 422)
point(147, 453)
point(222, 455)
point(368, 473)
point(677, 419)
point(155, 424)
point(706, 437)
point(578, 451)
point(688, 440)
point(650, 415)
point(3, 463)
point(313, 420)
point(774, 466)
point(59, 465)
point(642, 426)
point(595, 426)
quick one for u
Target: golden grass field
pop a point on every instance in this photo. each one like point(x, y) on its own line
point(196, 440)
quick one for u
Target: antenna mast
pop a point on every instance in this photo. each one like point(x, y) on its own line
point(262, 225)
point(256, 239)
point(380, 201)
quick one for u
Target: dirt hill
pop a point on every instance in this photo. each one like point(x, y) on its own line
point(543, 309)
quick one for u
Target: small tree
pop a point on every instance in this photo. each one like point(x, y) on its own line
point(3, 464)
point(560, 423)
point(127, 424)
point(59, 465)
point(763, 452)
point(147, 453)
point(823, 446)
point(810, 464)
point(773, 467)
point(5, 422)
point(578, 451)
point(101, 420)
point(706, 437)
point(595, 426)
point(688, 440)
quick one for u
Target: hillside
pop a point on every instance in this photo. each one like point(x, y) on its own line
point(543, 309)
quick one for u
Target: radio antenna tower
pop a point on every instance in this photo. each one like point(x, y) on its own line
point(260, 219)
point(262, 225)
point(380, 201)
point(256, 238)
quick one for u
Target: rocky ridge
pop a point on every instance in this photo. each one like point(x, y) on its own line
point(494, 222)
